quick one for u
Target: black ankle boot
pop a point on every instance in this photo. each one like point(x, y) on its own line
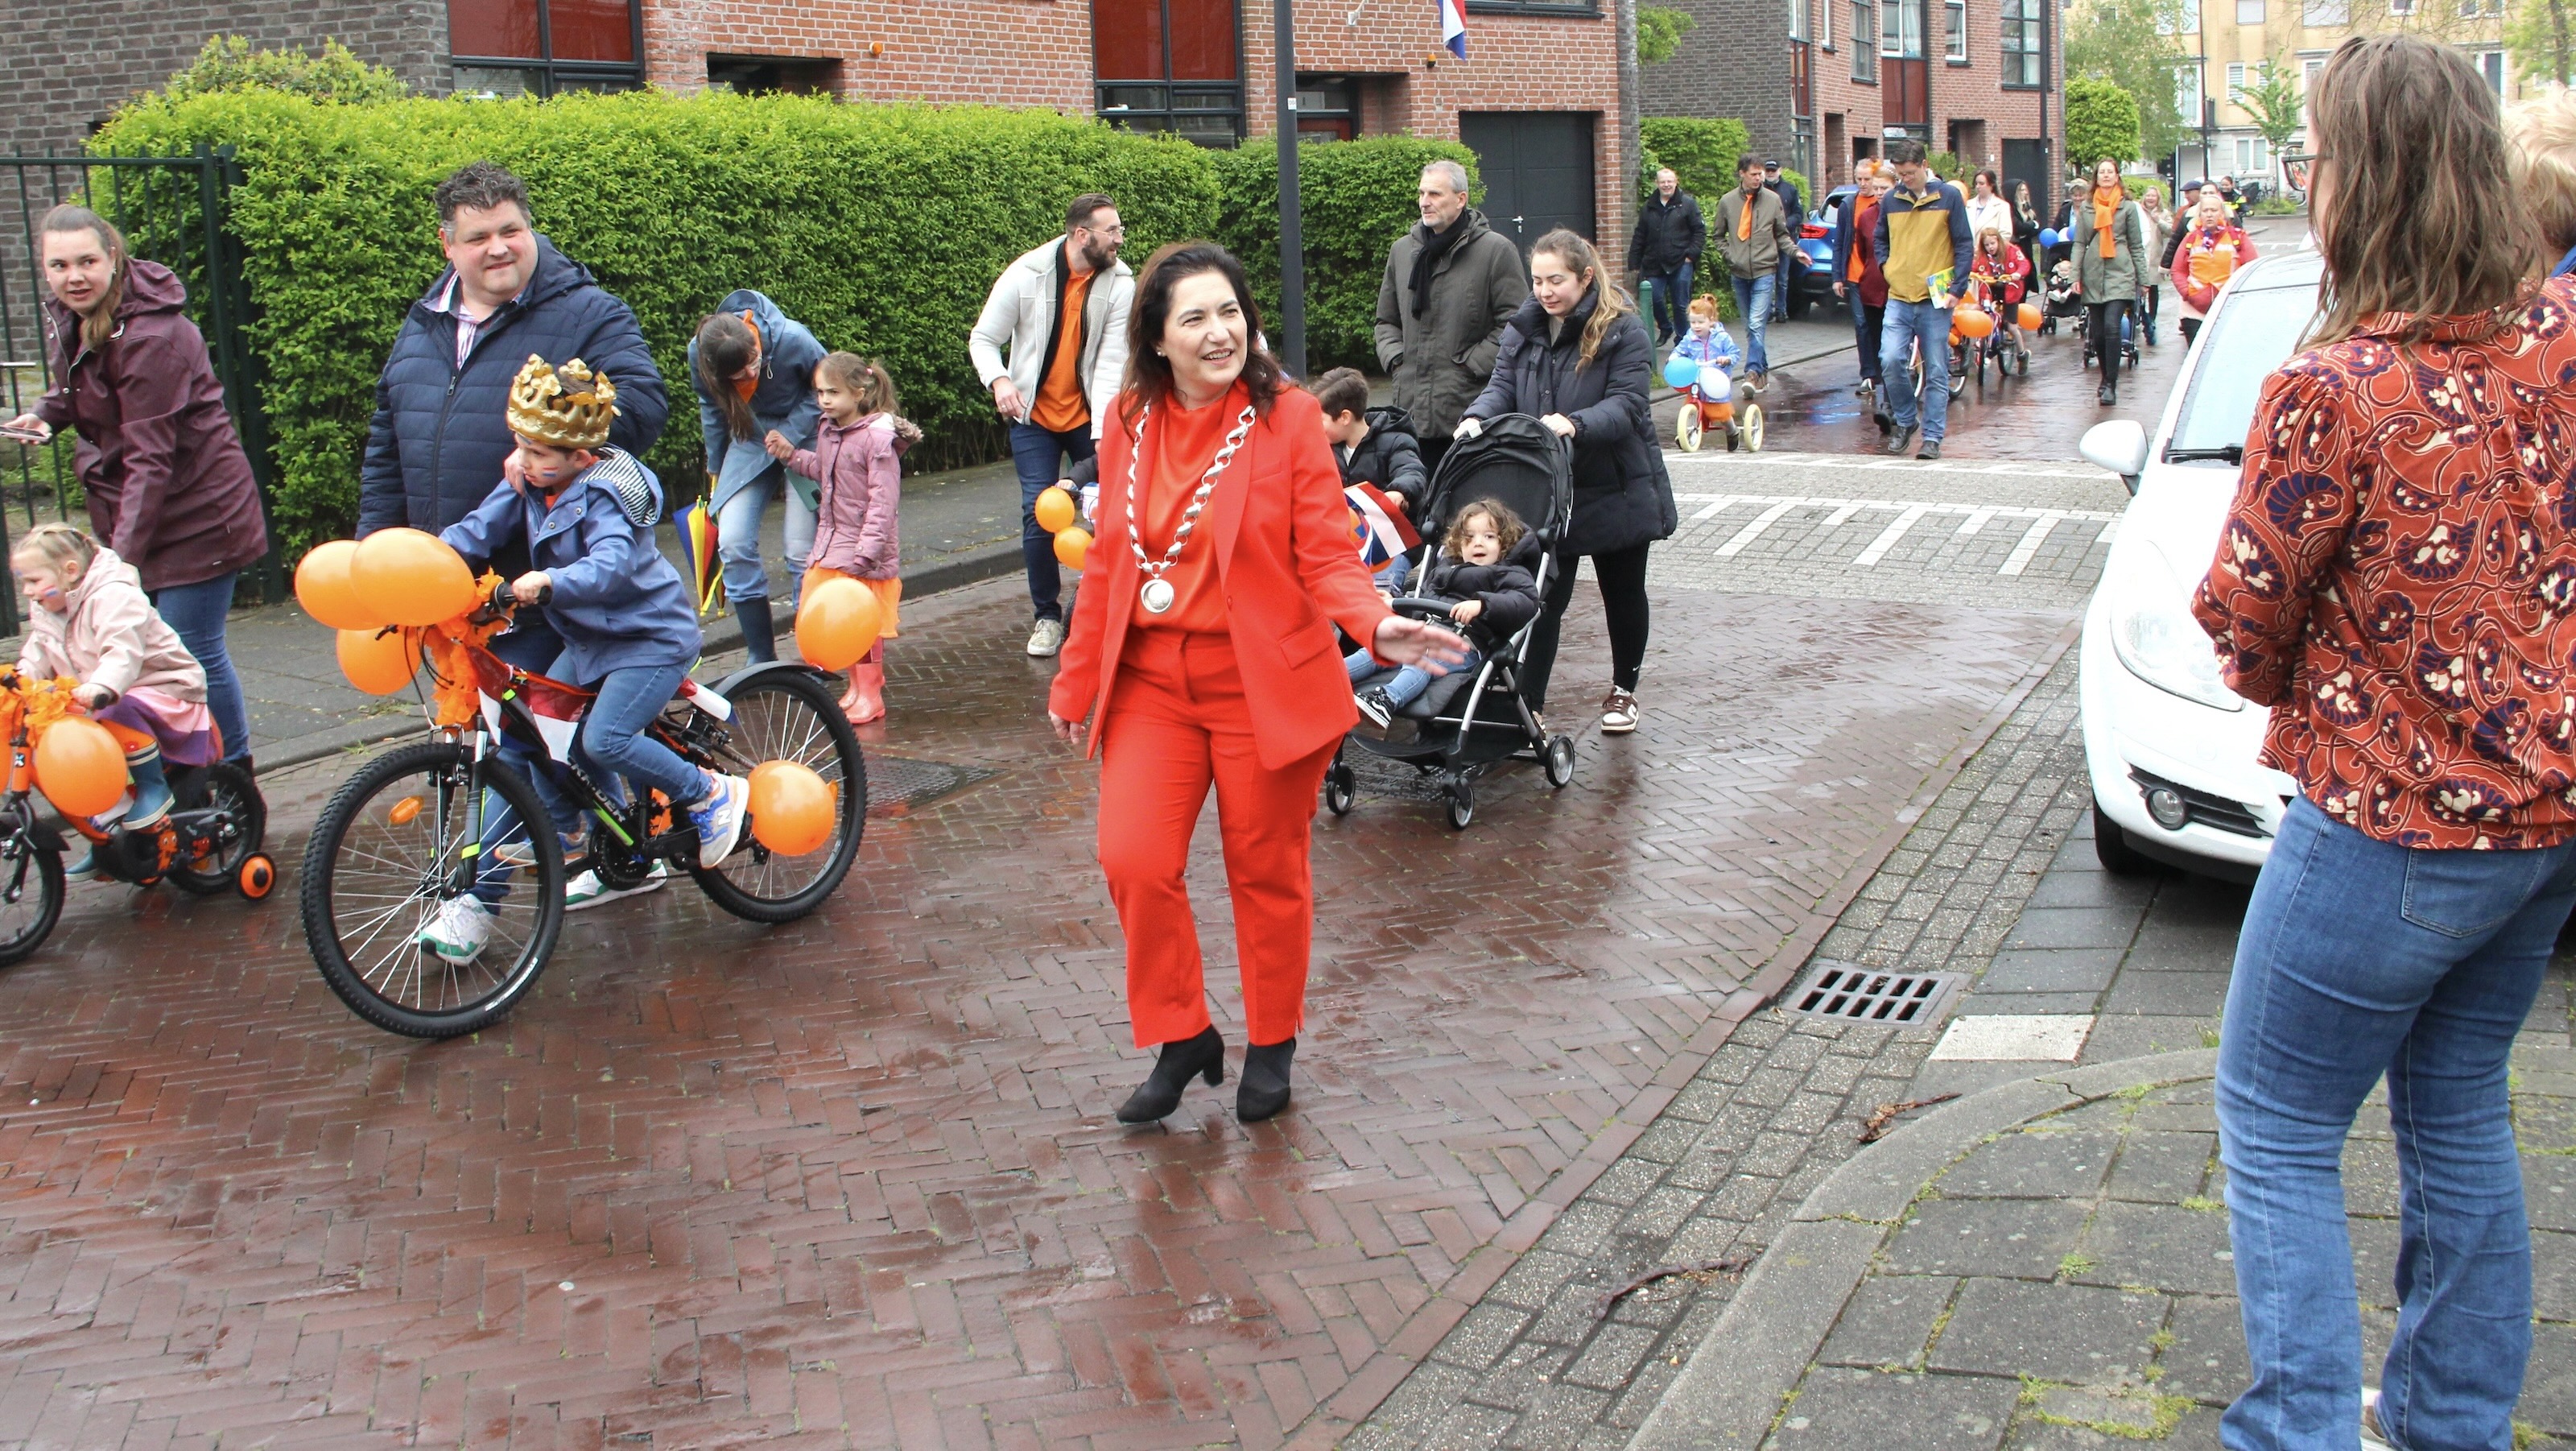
point(1160, 1093)
point(759, 634)
point(1264, 1090)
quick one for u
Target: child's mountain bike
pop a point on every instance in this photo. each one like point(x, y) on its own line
point(406, 836)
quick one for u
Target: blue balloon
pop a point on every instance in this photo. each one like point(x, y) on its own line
point(2050, 237)
point(1680, 372)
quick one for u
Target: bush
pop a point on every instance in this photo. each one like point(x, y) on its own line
point(1354, 199)
point(2101, 120)
point(227, 63)
point(1702, 153)
point(881, 227)
point(1660, 32)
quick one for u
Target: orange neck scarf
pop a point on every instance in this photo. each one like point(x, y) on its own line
point(1744, 215)
point(748, 386)
point(2106, 205)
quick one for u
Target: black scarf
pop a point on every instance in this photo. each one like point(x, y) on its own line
point(1435, 245)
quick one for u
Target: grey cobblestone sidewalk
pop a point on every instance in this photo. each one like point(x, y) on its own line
point(1770, 1115)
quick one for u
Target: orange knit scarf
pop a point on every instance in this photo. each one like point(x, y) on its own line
point(2103, 211)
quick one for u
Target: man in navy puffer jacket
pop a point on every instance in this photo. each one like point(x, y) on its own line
point(439, 438)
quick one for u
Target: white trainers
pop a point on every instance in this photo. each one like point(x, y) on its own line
point(719, 819)
point(2370, 1433)
point(1046, 637)
point(458, 930)
point(587, 890)
point(1618, 713)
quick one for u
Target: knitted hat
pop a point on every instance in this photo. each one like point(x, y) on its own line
point(561, 408)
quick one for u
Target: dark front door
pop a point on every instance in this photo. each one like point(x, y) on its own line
point(1537, 170)
point(2028, 161)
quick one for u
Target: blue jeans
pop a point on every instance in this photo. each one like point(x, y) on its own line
point(197, 612)
point(1753, 304)
point(1869, 325)
point(2357, 957)
point(1409, 682)
point(1039, 454)
point(611, 743)
point(1672, 301)
point(1781, 281)
point(1928, 324)
point(738, 537)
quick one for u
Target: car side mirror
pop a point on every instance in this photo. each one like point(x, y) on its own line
point(2120, 446)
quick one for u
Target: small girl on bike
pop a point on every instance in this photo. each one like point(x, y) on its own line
point(856, 459)
point(93, 623)
point(1708, 341)
point(2000, 275)
point(586, 514)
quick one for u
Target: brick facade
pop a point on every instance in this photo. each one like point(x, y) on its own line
point(73, 62)
point(1970, 109)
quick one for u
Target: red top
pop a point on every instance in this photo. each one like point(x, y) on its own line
point(2397, 578)
point(1179, 445)
point(1279, 535)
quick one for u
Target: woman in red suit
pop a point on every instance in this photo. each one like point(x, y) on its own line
point(1203, 653)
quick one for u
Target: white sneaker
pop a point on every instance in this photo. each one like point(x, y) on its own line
point(719, 819)
point(458, 930)
point(2370, 1434)
point(1046, 637)
point(587, 890)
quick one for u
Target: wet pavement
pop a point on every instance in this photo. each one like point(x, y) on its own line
point(853, 1181)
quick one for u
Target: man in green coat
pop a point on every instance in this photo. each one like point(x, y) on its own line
point(1451, 284)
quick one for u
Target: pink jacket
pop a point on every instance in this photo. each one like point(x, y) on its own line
point(110, 637)
point(861, 480)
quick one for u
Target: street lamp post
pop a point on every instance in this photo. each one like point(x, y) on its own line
point(1292, 243)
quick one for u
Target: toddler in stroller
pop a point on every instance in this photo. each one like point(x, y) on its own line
point(1486, 572)
point(2065, 298)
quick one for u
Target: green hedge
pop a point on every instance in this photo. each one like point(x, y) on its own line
point(881, 227)
point(1354, 199)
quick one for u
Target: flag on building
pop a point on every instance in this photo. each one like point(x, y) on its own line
point(1453, 26)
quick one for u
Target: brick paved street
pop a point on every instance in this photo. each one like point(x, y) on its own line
point(853, 1181)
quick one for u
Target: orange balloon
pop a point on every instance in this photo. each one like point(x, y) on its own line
point(2028, 317)
point(411, 578)
point(79, 766)
point(791, 808)
point(379, 663)
point(323, 587)
point(1973, 322)
point(1056, 511)
point(1072, 546)
point(838, 623)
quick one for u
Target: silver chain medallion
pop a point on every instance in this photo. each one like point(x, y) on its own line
point(1158, 595)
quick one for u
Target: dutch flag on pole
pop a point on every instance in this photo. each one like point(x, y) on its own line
point(1453, 26)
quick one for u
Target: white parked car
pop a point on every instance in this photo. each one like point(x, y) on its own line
point(2170, 749)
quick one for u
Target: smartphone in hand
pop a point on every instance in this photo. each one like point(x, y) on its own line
point(24, 435)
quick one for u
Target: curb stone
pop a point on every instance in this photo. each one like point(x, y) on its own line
point(1732, 1388)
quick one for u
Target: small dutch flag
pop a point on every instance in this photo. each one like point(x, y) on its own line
point(1453, 26)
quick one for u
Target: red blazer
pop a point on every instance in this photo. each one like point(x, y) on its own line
point(1290, 572)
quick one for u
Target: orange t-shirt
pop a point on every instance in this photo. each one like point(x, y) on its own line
point(1179, 445)
point(1061, 406)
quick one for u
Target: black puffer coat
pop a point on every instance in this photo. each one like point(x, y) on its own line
point(1622, 496)
point(1390, 457)
point(1509, 589)
point(435, 448)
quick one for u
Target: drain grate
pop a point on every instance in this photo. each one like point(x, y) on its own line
point(901, 784)
point(1866, 995)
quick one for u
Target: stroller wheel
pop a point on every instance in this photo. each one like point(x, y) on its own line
point(1339, 789)
point(1462, 805)
point(1560, 761)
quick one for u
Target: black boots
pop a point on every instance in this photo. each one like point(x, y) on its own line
point(1160, 1093)
point(759, 633)
point(1264, 1090)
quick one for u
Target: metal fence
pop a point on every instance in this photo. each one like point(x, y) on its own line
point(174, 210)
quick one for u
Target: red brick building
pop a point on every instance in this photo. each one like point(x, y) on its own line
point(1982, 78)
point(1537, 97)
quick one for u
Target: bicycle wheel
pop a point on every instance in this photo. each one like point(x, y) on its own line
point(31, 896)
point(783, 715)
point(226, 787)
point(385, 858)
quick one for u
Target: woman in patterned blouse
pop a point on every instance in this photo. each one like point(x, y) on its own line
point(2397, 581)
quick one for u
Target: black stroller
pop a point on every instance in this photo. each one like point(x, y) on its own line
point(1469, 719)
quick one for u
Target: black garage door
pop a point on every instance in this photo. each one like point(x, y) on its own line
point(1537, 169)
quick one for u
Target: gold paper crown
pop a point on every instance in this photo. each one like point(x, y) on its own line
point(567, 407)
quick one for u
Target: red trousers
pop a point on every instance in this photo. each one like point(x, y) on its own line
point(1177, 721)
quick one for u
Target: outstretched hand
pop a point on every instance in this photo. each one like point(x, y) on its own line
point(1404, 641)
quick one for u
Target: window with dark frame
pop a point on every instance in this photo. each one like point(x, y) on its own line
point(1954, 24)
point(1864, 56)
point(503, 48)
point(2021, 43)
point(1169, 65)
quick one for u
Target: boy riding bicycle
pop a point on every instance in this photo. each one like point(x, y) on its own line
point(587, 512)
